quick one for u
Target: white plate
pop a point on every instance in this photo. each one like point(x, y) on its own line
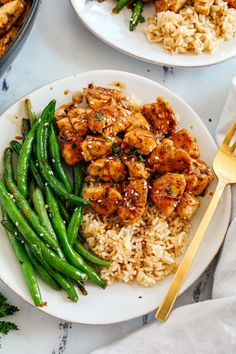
point(114, 30)
point(118, 302)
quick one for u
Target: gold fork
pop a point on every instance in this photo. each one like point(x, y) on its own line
point(224, 166)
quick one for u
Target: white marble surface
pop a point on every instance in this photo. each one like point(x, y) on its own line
point(58, 46)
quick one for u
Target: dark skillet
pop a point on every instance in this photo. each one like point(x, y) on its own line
point(12, 51)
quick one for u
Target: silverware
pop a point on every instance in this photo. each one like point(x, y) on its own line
point(224, 166)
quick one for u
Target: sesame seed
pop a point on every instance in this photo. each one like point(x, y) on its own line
point(46, 124)
point(16, 233)
point(53, 161)
point(41, 234)
point(17, 223)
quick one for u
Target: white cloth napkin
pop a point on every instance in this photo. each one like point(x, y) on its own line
point(204, 327)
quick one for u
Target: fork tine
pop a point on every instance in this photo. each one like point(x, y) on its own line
point(230, 134)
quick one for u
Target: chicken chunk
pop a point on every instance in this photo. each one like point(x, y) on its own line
point(187, 206)
point(105, 200)
point(65, 124)
point(21, 20)
point(231, 3)
point(108, 120)
point(167, 191)
point(100, 96)
point(198, 178)
point(184, 140)
point(136, 167)
point(141, 140)
point(9, 13)
point(63, 110)
point(73, 118)
point(107, 169)
point(73, 126)
point(137, 120)
point(203, 6)
point(172, 5)
point(94, 147)
point(7, 39)
point(70, 147)
point(166, 158)
point(78, 118)
point(135, 199)
point(161, 117)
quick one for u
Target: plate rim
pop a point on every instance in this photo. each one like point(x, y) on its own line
point(200, 122)
point(154, 62)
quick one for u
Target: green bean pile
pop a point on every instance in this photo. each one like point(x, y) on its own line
point(42, 211)
point(137, 10)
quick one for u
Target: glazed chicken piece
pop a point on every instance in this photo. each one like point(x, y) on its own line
point(73, 125)
point(137, 120)
point(104, 199)
point(73, 118)
point(100, 96)
point(107, 169)
point(140, 140)
point(161, 117)
point(187, 206)
point(184, 140)
point(70, 147)
point(7, 39)
point(9, 13)
point(108, 120)
point(136, 167)
point(65, 124)
point(232, 3)
point(135, 199)
point(172, 5)
point(63, 110)
point(203, 6)
point(167, 191)
point(166, 158)
point(94, 147)
point(198, 178)
point(78, 118)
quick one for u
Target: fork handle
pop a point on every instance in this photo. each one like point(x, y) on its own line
point(169, 300)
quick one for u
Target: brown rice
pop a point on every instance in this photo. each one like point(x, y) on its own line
point(188, 31)
point(145, 252)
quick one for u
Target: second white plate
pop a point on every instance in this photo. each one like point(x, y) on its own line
point(114, 30)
